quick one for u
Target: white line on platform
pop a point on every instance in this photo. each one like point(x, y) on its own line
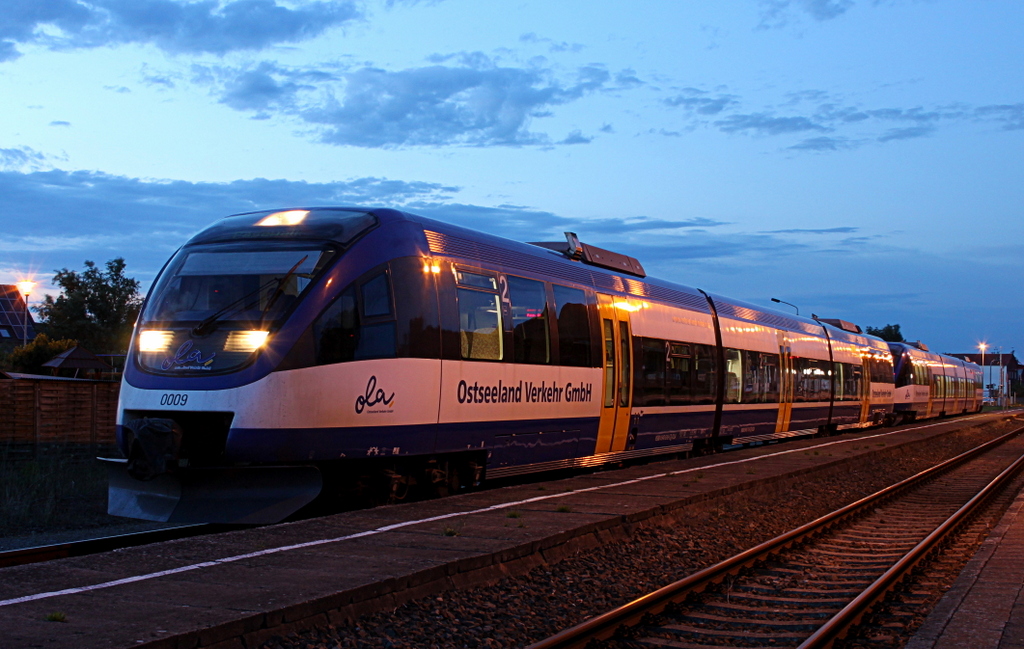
point(441, 517)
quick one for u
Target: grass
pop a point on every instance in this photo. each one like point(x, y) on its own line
point(56, 616)
point(513, 514)
point(51, 490)
point(565, 509)
point(451, 531)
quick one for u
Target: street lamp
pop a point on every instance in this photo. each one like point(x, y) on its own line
point(982, 347)
point(25, 288)
point(778, 301)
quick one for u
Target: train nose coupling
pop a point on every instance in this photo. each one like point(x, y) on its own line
point(154, 446)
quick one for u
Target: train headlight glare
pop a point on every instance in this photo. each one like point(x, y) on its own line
point(155, 341)
point(245, 341)
point(289, 217)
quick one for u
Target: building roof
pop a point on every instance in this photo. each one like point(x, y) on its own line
point(12, 315)
point(77, 358)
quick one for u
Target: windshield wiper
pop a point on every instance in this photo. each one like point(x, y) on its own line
point(234, 307)
point(245, 301)
point(280, 287)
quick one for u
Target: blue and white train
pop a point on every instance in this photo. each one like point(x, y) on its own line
point(284, 353)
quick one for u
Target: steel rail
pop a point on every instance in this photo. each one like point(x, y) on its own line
point(39, 554)
point(607, 624)
point(837, 626)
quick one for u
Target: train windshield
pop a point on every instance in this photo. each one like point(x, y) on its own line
point(238, 286)
point(223, 300)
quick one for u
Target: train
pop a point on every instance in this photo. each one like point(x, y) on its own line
point(284, 355)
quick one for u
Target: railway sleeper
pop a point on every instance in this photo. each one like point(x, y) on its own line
point(685, 631)
point(809, 624)
point(773, 608)
point(789, 601)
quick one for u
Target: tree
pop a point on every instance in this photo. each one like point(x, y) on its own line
point(889, 333)
point(97, 308)
point(30, 358)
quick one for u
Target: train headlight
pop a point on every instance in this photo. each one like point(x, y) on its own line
point(155, 341)
point(290, 217)
point(245, 341)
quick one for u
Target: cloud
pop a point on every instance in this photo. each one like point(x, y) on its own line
point(1011, 116)
point(473, 101)
point(842, 126)
point(907, 133)
point(175, 26)
point(823, 143)
point(698, 101)
point(22, 158)
point(60, 122)
point(765, 124)
point(778, 13)
point(553, 46)
point(576, 137)
point(839, 230)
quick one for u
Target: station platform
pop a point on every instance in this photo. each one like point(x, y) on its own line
point(984, 609)
point(240, 589)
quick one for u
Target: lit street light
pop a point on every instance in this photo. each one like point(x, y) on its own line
point(778, 301)
point(25, 288)
point(982, 347)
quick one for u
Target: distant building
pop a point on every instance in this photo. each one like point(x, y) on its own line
point(998, 368)
point(12, 318)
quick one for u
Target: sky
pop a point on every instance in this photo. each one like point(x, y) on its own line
point(860, 159)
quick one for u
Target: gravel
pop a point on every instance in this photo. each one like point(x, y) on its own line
point(517, 611)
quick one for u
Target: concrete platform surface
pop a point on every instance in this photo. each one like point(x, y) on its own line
point(236, 590)
point(984, 609)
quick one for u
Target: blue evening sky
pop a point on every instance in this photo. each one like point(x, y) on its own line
point(858, 158)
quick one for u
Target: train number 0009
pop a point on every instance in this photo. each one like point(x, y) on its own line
point(171, 399)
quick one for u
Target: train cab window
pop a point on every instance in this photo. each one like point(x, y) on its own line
point(345, 332)
point(733, 375)
point(531, 340)
point(573, 326)
point(678, 375)
point(480, 329)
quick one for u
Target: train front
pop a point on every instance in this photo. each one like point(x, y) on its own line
point(217, 324)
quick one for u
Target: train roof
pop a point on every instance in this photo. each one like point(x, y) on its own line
point(344, 225)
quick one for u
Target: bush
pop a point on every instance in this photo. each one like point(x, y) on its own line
point(30, 358)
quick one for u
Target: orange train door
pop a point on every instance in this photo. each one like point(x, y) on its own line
point(617, 392)
point(786, 384)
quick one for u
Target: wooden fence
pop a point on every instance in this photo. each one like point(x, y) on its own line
point(43, 412)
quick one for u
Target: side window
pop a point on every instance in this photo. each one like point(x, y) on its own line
point(679, 375)
point(760, 377)
point(705, 385)
point(573, 326)
point(733, 375)
point(376, 297)
point(336, 331)
point(813, 381)
point(650, 385)
point(479, 316)
point(531, 342)
point(770, 377)
point(358, 325)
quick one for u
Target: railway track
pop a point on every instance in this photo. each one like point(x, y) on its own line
point(810, 586)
